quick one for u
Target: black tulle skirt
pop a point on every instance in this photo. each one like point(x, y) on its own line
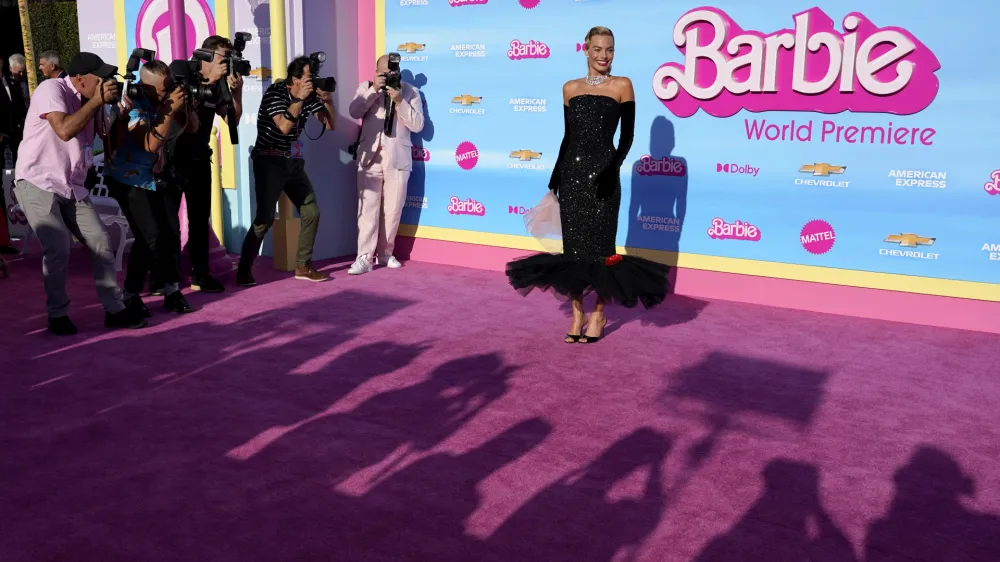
point(624, 280)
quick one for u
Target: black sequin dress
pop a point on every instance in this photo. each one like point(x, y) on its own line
point(587, 182)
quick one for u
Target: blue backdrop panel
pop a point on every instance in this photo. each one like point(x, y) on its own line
point(918, 203)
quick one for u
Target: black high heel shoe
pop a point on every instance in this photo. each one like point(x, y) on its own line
point(594, 339)
point(570, 338)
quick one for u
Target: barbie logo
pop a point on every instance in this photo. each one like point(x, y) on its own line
point(739, 230)
point(420, 154)
point(812, 67)
point(466, 2)
point(993, 187)
point(666, 166)
point(530, 50)
point(467, 207)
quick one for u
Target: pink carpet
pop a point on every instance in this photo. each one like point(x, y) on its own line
point(431, 414)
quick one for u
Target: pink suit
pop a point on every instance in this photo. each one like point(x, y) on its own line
point(384, 165)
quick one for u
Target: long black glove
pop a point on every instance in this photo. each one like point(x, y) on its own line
point(554, 180)
point(607, 180)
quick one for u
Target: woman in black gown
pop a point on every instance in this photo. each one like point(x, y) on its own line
point(586, 179)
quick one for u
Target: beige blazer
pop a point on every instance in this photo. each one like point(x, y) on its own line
point(397, 149)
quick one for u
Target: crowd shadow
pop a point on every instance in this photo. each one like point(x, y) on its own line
point(926, 519)
point(724, 386)
point(574, 519)
point(787, 523)
point(658, 200)
point(417, 186)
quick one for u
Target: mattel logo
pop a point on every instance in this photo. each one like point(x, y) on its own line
point(516, 210)
point(746, 170)
point(454, 3)
point(467, 155)
point(528, 4)
point(467, 207)
point(530, 50)
point(420, 154)
point(739, 230)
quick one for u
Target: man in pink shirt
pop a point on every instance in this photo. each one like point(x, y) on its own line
point(54, 157)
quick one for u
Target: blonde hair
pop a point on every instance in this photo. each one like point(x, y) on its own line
point(598, 30)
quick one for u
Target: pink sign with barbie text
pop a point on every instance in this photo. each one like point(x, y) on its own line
point(811, 67)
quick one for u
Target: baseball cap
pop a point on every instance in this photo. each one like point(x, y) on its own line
point(89, 63)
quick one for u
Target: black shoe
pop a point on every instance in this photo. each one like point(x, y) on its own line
point(135, 304)
point(175, 302)
point(206, 284)
point(9, 250)
point(245, 279)
point(62, 326)
point(123, 319)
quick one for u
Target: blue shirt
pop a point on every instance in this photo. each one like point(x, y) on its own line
point(131, 164)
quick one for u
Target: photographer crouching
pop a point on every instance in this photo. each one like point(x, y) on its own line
point(134, 174)
point(390, 110)
point(283, 114)
point(55, 156)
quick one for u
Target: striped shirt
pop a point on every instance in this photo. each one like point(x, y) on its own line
point(276, 100)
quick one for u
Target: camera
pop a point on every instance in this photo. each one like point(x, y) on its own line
point(133, 88)
point(394, 77)
point(187, 75)
point(316, 61)
point(235, 61)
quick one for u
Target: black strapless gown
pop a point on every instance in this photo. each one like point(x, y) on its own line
point(589, 262)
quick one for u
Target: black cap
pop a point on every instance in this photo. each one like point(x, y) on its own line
point(89, 63)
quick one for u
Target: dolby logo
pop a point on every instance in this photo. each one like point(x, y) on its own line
point(516, 210)
point(740, 169)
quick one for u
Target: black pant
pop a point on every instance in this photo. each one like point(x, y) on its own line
point(272, 176)
point(195, 181)
point(152, 216)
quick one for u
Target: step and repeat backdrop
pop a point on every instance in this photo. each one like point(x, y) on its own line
point(846, 135)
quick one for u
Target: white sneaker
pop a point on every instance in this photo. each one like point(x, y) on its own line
point(390, 262)
point(360, 266)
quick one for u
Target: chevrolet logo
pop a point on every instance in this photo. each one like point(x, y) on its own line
point(909, 240)
point(822, 169)
point(412, 47)
point(525, 155)
point(261, 73)
point(466, 99)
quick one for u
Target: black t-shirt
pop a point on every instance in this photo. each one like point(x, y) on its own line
point(195, 146)
point(276, 100)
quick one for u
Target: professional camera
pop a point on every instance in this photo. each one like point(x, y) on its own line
point(235, 61)
point(133, 88)
point(394, 78)
point(187, 75)
point(316, 61)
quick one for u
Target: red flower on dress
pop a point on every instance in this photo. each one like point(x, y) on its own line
point(612, 260)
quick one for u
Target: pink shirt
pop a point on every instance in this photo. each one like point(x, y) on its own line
point(45, 160)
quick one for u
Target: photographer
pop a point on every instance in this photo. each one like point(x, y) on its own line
point(147, 198)
point(56, 153)
point(283, 114)
point(390, 110)
point(191, 163)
